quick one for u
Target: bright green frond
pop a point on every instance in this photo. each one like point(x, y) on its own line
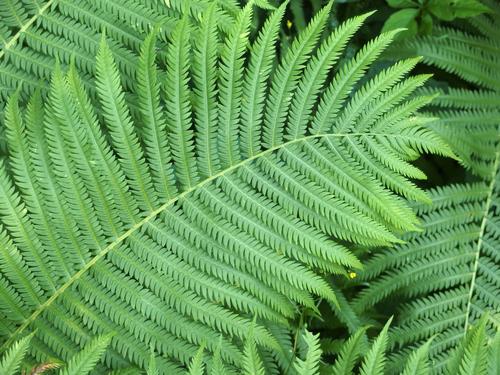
point(286, 78)
point(418, 363)
point(197, 366)
point(153, 121)
point(257, 74)
point(121, 128)
point(178, 106)
point(350, 353)
point(205, 103)
point(152, 368)
point(11, 361)
point(309, 365)
point(374, 361)
point(230, 87)
point(84, 361)
point(449, 270)
point(252, 362)
point(199, 193)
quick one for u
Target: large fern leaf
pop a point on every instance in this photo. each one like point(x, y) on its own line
point(99, 238)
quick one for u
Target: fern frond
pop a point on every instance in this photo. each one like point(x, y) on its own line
point(205, 103)
point(349, 354)
point(469, 119)
point(113, 220)
point(197, 367)
point(152, 366)
point(374, 361)
point(84, 361)
point(153, 120)
point(311, 82)
point(493, 355)
point(179, 107)
point(121, 128)
point(231, 88)
point(35, 34)
point(475, 354)
point(11, 361)
point(256, 77)
point(448, 273)
point(252, 362)
point(218, 367)
point(310, 364)
point(418, 363)
point(286, 78)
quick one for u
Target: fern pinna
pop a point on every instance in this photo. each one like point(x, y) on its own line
point(237, 185)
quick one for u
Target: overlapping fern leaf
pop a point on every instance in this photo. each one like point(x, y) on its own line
point(81, 364)
point(469, 118)
point(34, 34)
point(476, 354)
point(239, 182)
point(449, 273)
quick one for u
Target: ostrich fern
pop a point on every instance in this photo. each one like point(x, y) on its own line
point(238, 183)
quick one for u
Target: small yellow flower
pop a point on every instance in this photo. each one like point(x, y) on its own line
point(352, 275)
point(289, 24)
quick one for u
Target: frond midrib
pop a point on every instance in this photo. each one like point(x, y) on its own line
point(487, 206)
point(102, 253)
point(25, 27)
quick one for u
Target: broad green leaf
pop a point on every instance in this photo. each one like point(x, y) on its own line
point(402, 3)
point(449, 10)
point(404, 18)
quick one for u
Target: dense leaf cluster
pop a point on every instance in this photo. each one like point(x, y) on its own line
point(214, 187)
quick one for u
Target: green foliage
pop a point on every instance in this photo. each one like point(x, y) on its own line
point(469, 118)
point(81, 364)
point(114, 220)
point(225, 189)
point(447, 276)
point(11, 361)
point(449, 272)
point(34, 34)
point(417, 15)
point(310, 364)
point(84, 362)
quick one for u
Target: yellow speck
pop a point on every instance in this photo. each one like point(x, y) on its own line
point(289, 24)
point(352, 275)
